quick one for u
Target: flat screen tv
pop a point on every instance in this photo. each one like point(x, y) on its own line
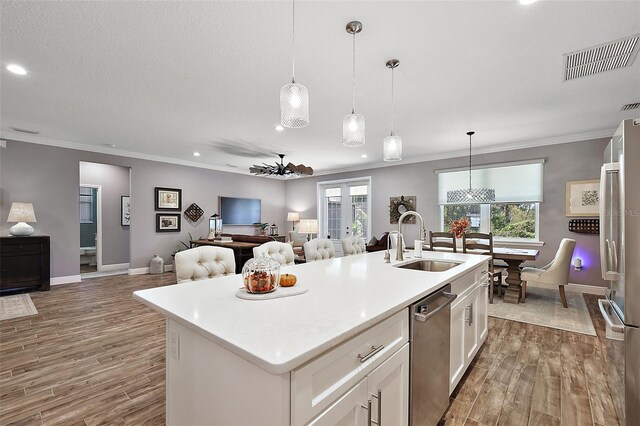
point(239, 211)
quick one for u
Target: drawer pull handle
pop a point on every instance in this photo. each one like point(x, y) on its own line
point(374, 350)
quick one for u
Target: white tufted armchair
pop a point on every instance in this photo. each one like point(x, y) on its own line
point(319, 249)
point(280, 252)
point(201, 263)
point(353, 245)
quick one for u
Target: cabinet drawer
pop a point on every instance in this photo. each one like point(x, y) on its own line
point(317, 384)
point(21, 248)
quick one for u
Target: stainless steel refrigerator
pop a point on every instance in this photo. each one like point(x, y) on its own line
point(620, 262)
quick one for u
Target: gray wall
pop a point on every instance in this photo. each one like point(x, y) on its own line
point(571, 161)
point(114, 181)
point(48, 177)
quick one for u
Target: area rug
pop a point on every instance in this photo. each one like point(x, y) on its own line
point(544, 307)
point(19, 305)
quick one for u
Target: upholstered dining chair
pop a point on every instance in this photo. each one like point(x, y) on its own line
point(445, 240)
point(319, 249)
point(478, 241)
point(280, 252)
point(556, 272)
point(201, 263)
point(353, 245)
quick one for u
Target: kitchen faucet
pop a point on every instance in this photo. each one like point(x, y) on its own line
point(421, 232)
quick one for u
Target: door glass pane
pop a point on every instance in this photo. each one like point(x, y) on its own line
point(359, 217)
point(333, 200)
point(455, 212)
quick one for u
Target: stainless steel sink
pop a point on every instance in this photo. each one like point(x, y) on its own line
point(429, 265)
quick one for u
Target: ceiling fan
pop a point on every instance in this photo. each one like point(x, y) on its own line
point(290, 170)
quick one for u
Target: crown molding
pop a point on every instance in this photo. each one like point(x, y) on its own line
point(533, 143)
point(580, 137)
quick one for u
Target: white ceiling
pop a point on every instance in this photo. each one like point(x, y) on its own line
point(169, 78)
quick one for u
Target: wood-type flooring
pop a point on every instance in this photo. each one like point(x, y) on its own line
point(95, 356)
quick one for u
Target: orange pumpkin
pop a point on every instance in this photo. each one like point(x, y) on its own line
point(288, 280)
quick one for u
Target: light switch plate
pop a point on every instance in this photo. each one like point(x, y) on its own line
point(174, 344)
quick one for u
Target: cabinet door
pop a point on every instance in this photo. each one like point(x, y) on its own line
point(349, 409)
point(483, 311)
point(471, 327)
point(388, 388)
point(457, 354)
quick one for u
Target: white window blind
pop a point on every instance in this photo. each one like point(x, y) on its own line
point(520, 182)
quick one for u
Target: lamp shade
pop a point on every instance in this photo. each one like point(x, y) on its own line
point(353, 130)
point(392, 148)
point(308, 226)
point(293, 217)
point(294, 105)
point(21, 212)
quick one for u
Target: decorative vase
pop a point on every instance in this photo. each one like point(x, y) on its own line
point(156, 265)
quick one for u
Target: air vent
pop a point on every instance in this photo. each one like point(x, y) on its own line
point(597, 59)
point(627, 107)
point(31, 132)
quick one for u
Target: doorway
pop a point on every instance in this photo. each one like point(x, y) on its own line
point(344, 209)
point(90, 214)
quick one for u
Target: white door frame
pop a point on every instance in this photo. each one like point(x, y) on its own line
point(98, 223)
point(321, 213)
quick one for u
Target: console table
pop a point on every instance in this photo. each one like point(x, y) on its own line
point(25, 263)
point(242, 251)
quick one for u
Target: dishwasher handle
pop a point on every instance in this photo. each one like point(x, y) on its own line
point(421, 313)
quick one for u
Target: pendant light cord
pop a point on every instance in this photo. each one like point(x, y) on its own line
point(293, 43)
point(469, 163)
point(353, 109)
point(392, 101)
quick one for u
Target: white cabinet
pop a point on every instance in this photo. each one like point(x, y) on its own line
point(383, 394)
point(469, 314)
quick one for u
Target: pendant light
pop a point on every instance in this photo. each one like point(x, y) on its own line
point(392, 144)
point(353, 124)
point(471, 195)
point(294, 97)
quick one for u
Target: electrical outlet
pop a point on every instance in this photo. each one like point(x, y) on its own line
point(174, 344)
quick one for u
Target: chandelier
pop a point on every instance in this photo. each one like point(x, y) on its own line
point(471, 195)
point(290, 170)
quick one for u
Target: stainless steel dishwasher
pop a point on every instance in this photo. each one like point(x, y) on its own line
point(429, 372)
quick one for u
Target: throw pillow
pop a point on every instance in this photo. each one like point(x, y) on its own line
point(373, 241)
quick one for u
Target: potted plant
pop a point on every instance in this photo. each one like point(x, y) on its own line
point(263, 228)
point(182, 246)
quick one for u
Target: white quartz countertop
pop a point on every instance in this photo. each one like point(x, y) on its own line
point(346, 295)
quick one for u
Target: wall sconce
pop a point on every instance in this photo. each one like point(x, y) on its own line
point(577, 264)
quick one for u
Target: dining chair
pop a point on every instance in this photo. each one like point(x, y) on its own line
point(204, 262)
point(319, 249)
point(280, 252)
point(353, 245)
point(556, 272)
point(479, 241)
point(445, 240)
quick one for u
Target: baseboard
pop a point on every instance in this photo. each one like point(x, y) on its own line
point(587, 289)
point(138, 271)
point(65, 280)
point(142, 271)
point(114, 267)
point(576, 288)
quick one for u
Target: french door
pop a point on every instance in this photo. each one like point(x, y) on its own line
point(344, 208)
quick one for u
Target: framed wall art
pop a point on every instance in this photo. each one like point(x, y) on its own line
point(399, 205)
point(583, 197)
point(125, 210)
point(168, 199)
point(167, 222)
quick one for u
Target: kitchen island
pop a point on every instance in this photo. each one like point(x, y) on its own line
point(292, 360)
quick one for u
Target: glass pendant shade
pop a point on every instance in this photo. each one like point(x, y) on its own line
point(353, 130)
point(392, 148)
point(294, 105)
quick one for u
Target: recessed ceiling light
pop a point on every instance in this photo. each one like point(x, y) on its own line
point(230, 165)
point(16, 69)
point(110, 145)
point(526, 2)
point(279, 128)
point(29, 131)
point(363, 156)
point(196, 154)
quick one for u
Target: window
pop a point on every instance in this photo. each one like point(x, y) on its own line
point(87, 205)
point(344, 208)
point(514, 213)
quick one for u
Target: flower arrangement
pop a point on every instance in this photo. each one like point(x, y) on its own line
point(459, 226)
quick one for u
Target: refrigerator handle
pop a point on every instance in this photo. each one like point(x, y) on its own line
point(607, 171)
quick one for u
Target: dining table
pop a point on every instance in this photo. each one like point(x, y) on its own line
point(513, 257)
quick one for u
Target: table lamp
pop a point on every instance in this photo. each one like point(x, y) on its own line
point(308, 226)
point(21, 213)
point(293, 217)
